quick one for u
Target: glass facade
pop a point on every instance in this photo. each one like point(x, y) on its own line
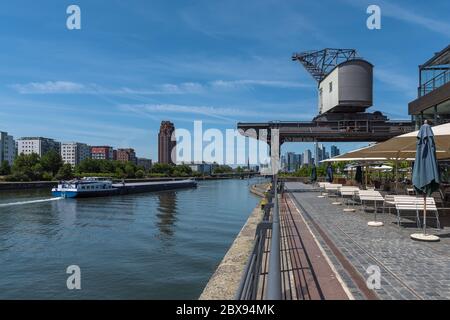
point(433, 78)
point(438, 114)
point(433, 101)
point(444, 168)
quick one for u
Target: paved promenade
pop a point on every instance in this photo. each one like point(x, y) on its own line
point(409, 269)
point(304, 261)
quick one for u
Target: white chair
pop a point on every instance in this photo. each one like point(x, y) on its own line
point(333, 188)
point(322, 186)
point(348, 191)
point(370, 196)
point(416, 204)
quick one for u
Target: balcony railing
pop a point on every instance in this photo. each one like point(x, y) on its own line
point(434, 83)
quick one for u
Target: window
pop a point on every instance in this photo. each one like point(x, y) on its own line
point(320, 99)
point(331, 86)
point(443, 112)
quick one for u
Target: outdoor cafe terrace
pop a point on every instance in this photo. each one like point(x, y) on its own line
point(409, 269)
point(363, 229)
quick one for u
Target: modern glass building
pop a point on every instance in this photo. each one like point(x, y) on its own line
point(433, 102)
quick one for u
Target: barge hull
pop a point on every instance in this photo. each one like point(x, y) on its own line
point(150, 187)
point(85, 194)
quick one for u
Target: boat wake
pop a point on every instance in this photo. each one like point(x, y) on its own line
point(28, 202)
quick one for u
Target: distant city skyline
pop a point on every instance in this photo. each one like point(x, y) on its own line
point(291, 161)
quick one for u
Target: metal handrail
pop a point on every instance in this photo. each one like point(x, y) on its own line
point(248, 287)
point(274, 276)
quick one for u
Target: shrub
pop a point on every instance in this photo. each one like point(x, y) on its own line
point(47, 176)
point(18, 176)
point(65, 172)
point(140, 174)
point(5, 168)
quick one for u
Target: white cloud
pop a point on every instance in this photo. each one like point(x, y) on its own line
point(67, 87)
point(264, 83)
point(168, 88)
point(396, 80)
point(49, 87)
point(406, 14)
point(225, 113)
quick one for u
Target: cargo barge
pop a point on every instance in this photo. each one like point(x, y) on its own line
point(98, 187)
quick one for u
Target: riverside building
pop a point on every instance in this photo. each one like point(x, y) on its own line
point(126, 155)
point(7, 148)
point(74, 152)
point(102, 153)
point(433, 101)
point(38, 145)
point(165, 144)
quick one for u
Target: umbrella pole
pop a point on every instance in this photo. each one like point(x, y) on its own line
point(366, 180)
point(425, 214)
point(396, 175)
point(375, 212)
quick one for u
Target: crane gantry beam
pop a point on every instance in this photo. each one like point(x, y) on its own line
point(319, 63)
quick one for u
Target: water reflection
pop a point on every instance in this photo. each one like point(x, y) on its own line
point(167, 210)
point(176, 235)
point(67, 211)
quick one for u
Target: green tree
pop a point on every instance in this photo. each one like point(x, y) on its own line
point(107, 166)
point(88, 165)
point(130, 170)
point(37, 172)
point(65, 172)
point(140, 174)
point(5, 168)
point(46, 176)
point(322, 170)
point(339, 166)
point(222, 169)
point(119, 173)
point(182, 171)
point(51, 162)
point(25, 166)
point(25, 161)
point(162, 168)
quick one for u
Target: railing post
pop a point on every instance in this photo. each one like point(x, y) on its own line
point(274, 276)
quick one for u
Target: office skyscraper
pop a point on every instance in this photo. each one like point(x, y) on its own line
point(307, 157)
point(334, 151)
point(165, 143)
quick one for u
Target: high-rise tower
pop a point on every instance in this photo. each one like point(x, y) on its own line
point(165, 144)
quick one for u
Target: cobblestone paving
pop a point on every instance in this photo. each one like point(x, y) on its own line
point(409, 269)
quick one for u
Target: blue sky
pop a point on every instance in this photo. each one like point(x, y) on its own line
point(135, 63)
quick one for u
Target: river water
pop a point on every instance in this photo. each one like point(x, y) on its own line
point(162, 245)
